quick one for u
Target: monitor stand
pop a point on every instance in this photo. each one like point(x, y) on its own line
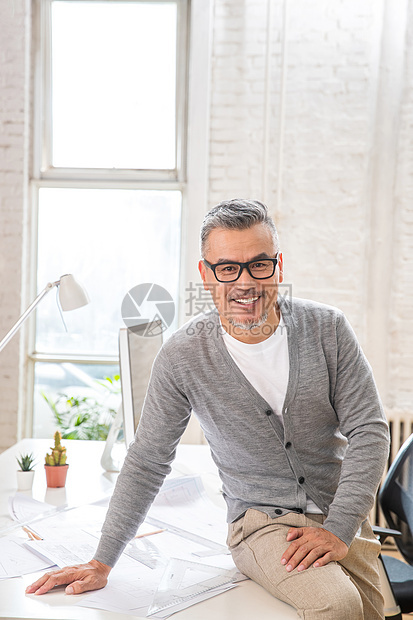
point(107, 461)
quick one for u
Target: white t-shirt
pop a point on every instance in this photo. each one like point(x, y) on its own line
point(258, 361)
point(266, 365)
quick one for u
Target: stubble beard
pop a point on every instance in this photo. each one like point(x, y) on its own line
point(249, 324)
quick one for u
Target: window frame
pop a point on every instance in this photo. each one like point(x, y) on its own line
point(42, 154)
point(190, 176)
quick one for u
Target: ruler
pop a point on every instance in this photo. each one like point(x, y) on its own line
point(146, 552)
point(217, 547)
point(183, 580)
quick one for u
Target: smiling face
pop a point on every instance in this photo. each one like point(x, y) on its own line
point(247, 307)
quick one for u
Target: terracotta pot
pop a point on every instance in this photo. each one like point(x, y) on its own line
point(56, 475)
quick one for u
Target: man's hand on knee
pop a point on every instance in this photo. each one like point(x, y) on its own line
point(312, 546)
point(81, 578)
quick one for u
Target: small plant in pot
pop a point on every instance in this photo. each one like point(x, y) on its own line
point(55, 464)
point(25, 474)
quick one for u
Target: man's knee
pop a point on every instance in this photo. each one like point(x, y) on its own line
point(327, 595)
point(316, 593)
point(343, 602)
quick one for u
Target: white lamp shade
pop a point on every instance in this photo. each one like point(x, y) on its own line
point(71, 294)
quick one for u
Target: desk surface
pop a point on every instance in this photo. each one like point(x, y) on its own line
point(246, 601)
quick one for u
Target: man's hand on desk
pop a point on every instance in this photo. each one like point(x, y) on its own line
point(81, 578)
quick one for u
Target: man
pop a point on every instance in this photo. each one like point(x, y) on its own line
point(289, 407)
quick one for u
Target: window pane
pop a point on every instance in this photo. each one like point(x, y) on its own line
point(114, 84)
point(111, 240)
point(87, 391)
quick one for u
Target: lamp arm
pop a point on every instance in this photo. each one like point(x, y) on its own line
point(25, 314)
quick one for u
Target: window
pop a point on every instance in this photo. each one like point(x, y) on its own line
point(114, 91)
point(109, 176)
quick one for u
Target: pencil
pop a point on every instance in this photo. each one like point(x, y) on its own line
point(31, 534)
point(149, 533)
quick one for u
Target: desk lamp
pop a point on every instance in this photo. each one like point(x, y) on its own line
point(71, 296)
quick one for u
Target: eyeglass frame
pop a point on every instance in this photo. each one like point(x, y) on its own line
point(242, 267)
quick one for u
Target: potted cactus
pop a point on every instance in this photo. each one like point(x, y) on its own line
point(55, 464)
point(25, 474)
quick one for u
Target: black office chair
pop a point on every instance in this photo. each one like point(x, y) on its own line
point(396, 501)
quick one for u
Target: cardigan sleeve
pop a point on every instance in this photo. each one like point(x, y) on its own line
point(165, 415)
point(363, 423)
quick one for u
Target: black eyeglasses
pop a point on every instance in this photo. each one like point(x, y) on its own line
point(259, 269)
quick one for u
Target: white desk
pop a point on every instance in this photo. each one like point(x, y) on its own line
point(248, 600)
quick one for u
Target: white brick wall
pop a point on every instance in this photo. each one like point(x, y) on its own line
point(13, 184)
point(237, 99)
point(326, 132)
point(328, 138)
point(321, 161)
point(401, 302)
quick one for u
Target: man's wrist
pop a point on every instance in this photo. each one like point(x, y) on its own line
point(101, 566)
point(334, 530)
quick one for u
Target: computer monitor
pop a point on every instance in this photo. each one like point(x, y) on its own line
point(138, 347)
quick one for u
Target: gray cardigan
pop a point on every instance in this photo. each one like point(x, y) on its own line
point(333, 445)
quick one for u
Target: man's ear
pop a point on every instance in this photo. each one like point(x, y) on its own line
point(280, 266)
point(202, 271)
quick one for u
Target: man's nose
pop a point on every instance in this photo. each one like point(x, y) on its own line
point(245, 278)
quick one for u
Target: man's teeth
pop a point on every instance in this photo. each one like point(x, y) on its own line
point(249, 300)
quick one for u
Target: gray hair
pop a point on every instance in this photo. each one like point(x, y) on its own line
point(236, 215)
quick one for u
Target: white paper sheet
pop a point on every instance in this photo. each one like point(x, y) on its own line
point(23, 508)
point(63, 525)
point(183, 505)
point(161, 547)
point(132, 593)
point(17, 560)
point(78, 550)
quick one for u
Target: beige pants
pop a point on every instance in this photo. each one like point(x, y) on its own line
point(345, 590)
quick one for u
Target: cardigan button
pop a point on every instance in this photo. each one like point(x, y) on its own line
point(268, 412)
point(301, 480)
point(278, 511)
point(288, 444)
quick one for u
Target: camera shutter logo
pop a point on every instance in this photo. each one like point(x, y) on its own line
point(148, 303)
